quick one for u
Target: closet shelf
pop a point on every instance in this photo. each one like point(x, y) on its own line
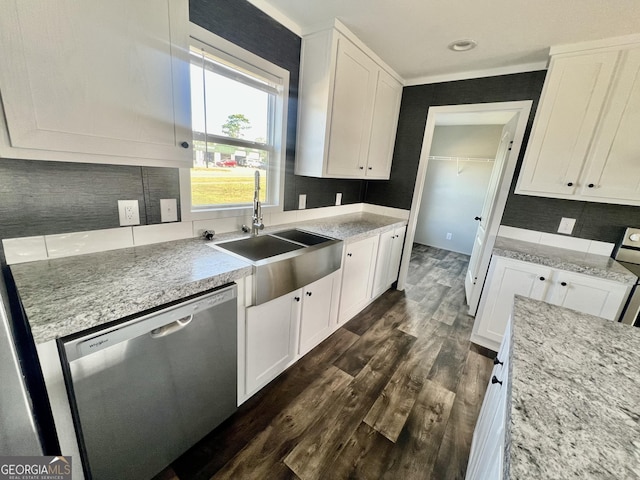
point(461, 159)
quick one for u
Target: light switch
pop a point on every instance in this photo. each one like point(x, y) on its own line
point(302, 201)
point(338, 199)
point(168, 210)
point(566, 225)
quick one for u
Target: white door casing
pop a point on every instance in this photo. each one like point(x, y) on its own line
point(523, 108)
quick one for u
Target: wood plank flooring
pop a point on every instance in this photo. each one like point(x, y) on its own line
point(394, 393)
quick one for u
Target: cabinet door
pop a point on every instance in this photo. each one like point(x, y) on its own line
point(383, 262)
point(352, 109)
point(357, 276)
point(91, 77)
point(397, 242)
point(271, 333)
point(505, 279)
point(489, 433)
point(383, 128)
point(595, 296)
point(315, 320)
point(569, 111)
point(613, 170)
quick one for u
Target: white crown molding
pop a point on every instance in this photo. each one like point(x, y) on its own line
point(489, 72)
point(626, 40)
point(277, 15)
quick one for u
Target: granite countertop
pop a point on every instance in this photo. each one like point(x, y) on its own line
point(600, 266)
point(67, 295)
point(575, 409)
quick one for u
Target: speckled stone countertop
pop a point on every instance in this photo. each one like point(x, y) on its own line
point(575, 395)
point(563, 259)
point(67, 295)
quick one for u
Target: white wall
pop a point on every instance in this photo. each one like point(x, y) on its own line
point(451, 201)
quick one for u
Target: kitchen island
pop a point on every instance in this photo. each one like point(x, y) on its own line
point(575, 390)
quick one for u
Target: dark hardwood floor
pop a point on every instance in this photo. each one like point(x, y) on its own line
point(393, 394)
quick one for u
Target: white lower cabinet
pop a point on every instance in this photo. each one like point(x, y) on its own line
point(595, 296)
point(358, 268)
point(279, 331)
point(508, 277)
point(388, 259)
point(488, 445)
point(318, 317)
point(271, 336)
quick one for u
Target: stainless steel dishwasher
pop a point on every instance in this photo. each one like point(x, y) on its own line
point(145, 391)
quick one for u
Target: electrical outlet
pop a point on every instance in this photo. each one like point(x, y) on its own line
point(449, 235)
point(566, 225)
point(168, 210)
point(128, 212)
point(302, 201)
point(338, 199)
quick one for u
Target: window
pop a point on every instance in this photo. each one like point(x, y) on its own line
point(238, 109)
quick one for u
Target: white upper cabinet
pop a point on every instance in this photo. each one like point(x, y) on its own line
point(349, 103)
point(613, 165)
point(584, 144)
point(95, 81)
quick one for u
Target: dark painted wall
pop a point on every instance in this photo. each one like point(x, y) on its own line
point(250, 28)
point(42, 198)
point(593, 221)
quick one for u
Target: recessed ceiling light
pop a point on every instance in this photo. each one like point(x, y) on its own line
point(462, 45)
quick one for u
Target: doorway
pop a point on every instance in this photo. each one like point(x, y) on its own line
point(511, 118)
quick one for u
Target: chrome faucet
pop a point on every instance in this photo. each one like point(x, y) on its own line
point(256, 224)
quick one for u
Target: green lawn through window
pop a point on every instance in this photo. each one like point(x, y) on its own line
point(225, 186)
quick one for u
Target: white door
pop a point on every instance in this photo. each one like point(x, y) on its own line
point(475, 279)
point(613, 169)
point(354, 88)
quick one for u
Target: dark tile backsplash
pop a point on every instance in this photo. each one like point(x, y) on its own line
point(42, 198)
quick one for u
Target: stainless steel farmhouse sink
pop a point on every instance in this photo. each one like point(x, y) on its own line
point(285, 261)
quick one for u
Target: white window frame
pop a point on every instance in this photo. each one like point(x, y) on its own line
point(245, 60)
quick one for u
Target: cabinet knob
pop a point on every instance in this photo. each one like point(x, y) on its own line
point(564, 284)
point(308, 294)
point(297, 299)
point(495, 380)
point(542, 279)
point(591, 185)
point(184, 144)
point(349, 255)
point(361, 168)
point(496, 361)
point(370, 168)
point(478, 218)
point(570, 184)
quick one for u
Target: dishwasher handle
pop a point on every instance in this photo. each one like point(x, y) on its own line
point(172, 327)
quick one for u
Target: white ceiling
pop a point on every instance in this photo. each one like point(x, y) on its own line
point(513, 35)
